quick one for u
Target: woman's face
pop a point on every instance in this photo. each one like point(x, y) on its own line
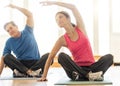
point(62, 20)
point(12, 30)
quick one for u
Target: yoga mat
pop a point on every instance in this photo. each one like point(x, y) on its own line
point(18, 78)
point(70, 82)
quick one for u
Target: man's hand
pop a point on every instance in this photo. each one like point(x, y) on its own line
point(1, 64)
point(11, 5)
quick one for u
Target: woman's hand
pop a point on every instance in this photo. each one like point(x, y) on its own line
point(42, 79)
point(45, 3)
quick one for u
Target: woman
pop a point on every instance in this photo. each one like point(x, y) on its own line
point(83, 65)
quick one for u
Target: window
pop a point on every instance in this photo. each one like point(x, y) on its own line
point(115, 16)
point(46, 30)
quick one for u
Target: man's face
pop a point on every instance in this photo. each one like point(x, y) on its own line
point(12, 30)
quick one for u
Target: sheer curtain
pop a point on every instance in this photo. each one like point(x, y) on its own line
point(95, 17)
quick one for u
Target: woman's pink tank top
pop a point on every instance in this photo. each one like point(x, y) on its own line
point(80, 49)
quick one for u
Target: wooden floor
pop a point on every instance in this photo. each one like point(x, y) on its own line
point(55, 74)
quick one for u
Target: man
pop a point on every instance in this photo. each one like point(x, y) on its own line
point(27, 61)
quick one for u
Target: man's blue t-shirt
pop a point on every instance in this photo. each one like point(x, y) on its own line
point(25, 47)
